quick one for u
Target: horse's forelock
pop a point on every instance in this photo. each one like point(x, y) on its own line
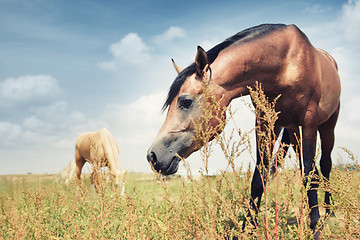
point(177, 84)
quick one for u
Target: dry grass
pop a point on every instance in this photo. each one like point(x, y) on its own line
point(38, 207)
point(209, 208)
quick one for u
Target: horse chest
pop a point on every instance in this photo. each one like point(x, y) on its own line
point(292, 110)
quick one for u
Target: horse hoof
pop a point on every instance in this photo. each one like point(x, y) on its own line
point(317, 235)
point(330, 214)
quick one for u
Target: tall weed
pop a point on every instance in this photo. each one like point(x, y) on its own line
point(208, 207)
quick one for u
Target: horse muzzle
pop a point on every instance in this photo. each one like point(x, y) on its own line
point(165, 154)
point(168, 167)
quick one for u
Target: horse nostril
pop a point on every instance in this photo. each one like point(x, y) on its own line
point(152, 158)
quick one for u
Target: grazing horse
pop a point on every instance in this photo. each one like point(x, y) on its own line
point(99, 149)
point(281, 59)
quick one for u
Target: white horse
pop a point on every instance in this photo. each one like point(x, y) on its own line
point(100, 150)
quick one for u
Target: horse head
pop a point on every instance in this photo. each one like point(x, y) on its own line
point(178, 136)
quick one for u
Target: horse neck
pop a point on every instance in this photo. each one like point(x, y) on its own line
point(69, 171)
point(241, 66)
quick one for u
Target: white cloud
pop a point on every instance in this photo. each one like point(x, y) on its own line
point(129, 50)
point(170, 34)
point(31, 87)
point(131, 45)
point(347, 60)
point(134, 127)
point(10, 130)
point(77, 116)
point(316, 9)
point(9, 133)
point(55, 110)
point(61, 121)
point(351, 20)
point(137, 116)
point(350, 113)
point(207, 45)
point(33, 122)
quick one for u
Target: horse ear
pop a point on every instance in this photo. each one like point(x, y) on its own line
point(202, 62)
point(177, 67)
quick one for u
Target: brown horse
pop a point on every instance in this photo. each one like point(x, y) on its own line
point(100, 149)
point(280, 58)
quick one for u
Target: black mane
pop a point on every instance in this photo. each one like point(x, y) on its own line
point(241, 37)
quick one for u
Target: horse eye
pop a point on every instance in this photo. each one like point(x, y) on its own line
point(184, 102)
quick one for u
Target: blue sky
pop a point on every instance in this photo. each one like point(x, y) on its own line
point(67, 67)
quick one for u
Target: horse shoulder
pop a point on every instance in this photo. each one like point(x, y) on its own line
point(299, 79)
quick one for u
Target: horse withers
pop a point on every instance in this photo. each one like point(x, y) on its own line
point(281, 59)
point(100, 150)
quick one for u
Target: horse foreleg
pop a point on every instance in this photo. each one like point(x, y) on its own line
point(311, 173)
point(258, 184)
point(257, 189)
point(259, 179)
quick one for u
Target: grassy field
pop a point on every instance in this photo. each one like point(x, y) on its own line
point(39, 207)
point(44, 207)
